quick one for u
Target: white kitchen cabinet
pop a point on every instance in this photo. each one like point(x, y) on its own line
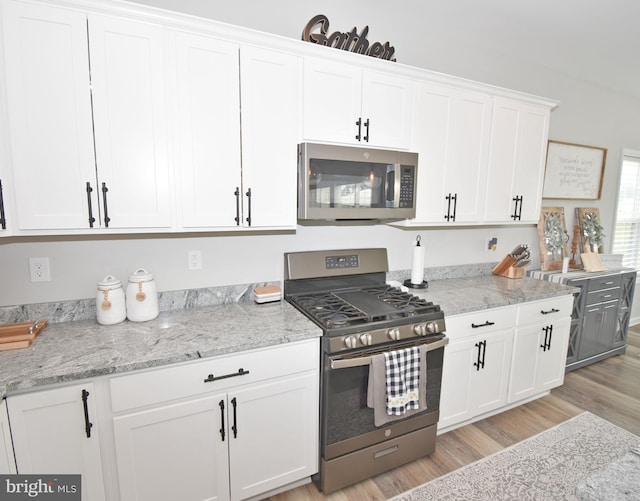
point(269, 94)
point(540, 347)
point(7, 459)
point(5, 226)
point(476, 366)
point(130, 123)
point(517, 156)
point(344, 103)
point(207, 109)
point(451, 137)
point(228, 428)
point(49, 115)
point(235, 173)
point(57, 431)
point(86, 117)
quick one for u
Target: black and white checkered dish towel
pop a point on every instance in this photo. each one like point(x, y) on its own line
point(402, 380)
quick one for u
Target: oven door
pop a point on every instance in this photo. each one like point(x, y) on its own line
point(347, 421)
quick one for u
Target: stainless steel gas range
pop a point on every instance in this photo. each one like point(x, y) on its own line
point(344, 292)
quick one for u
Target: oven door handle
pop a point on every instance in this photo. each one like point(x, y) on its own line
point(345, 363)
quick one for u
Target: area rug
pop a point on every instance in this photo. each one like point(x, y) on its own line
point(547, 466)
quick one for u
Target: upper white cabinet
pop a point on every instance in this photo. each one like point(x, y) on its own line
point(347, 104)
point(269, 95)
point(69, 80)
point(519, 134)
point(451, 136)
point(127, 81)
point(5, 226)
point(236, 136)
point(49, 116)
point(207, 108)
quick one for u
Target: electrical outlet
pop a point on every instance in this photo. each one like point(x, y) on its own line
point(195, 260)
point(39, 269)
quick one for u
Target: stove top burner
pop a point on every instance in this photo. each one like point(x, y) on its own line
point(362, 306)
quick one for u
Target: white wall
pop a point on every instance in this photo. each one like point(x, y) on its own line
point(587, 115)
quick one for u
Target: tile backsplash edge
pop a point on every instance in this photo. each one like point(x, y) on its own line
point(85, 309)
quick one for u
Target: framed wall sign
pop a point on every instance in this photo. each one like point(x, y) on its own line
point(574, 171)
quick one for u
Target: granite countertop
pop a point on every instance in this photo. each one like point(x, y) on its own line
point(81, 349)
point(84, 349)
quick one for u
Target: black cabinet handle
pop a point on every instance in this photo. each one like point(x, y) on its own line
point(366, 124)
point(211, 377)
point(222, 428)
point(89, 191)
point(517, 211)
point(548, 330)
point(455, 205)
point(3, 221)
point(552, 310)
point(234, 428)
point(237, 194)
point(359, 124)
point(85, 403)
point(482, 350)
point(447, 216)
point(486, 324)
point(248, 193)
point(104, 202)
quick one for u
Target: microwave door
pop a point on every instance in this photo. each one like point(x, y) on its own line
point(391, 187)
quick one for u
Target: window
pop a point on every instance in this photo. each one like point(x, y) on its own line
point(626, 239)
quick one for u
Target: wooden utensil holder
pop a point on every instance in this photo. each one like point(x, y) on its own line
point(506, 269)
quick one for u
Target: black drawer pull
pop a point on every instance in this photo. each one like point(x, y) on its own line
point(552, 310)
point(87, 424)
point(211, 377)
point(486, 324)
point(222, 430)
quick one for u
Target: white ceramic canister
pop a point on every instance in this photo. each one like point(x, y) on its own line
point(142, 296)
point(110, 302)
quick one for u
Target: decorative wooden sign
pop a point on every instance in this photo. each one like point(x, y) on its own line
point(316, 32)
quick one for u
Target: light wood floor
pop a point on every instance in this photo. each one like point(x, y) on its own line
point(609, 389)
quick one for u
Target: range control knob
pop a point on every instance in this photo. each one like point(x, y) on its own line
point(420, 329)
point(433, 327)
point(351, 342)
point(365, 339)
point(394, 334)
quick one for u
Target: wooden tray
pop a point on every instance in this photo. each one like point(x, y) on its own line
point(20, 334)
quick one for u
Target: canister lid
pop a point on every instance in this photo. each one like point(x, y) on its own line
point(109, 282)
point(140, 275)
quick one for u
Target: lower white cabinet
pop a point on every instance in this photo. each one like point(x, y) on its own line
point(540, 347)
point(501, 356)
point(57, 431)
point(476, 367)
point(7, 459)
point(223, 429)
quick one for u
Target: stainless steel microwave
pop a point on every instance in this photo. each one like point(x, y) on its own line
point(355, 183)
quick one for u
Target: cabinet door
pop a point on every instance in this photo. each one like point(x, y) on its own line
point(386, 108)
point(5, 228)
point(176, 451)
point(469, 386)
point(207, 106)
point(490, 382)
point(277, 434)
point(50, 435)
point(7, 459)
point(519, 134)
point(127, 78)
point(269, 96)
point(49, 116)
point(537, 366)
point(624, 308)
point(331, 101)
point(451, 136)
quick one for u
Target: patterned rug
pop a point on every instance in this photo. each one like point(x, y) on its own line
point(547, 466)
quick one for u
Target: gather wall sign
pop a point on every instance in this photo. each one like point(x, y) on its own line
point(351, 41)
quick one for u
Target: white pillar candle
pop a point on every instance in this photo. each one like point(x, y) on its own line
point(417, 266)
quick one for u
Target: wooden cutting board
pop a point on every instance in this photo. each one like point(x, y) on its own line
point(20, 334)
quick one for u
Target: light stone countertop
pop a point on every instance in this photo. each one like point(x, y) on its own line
point(83, 349)
point(73, 350)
